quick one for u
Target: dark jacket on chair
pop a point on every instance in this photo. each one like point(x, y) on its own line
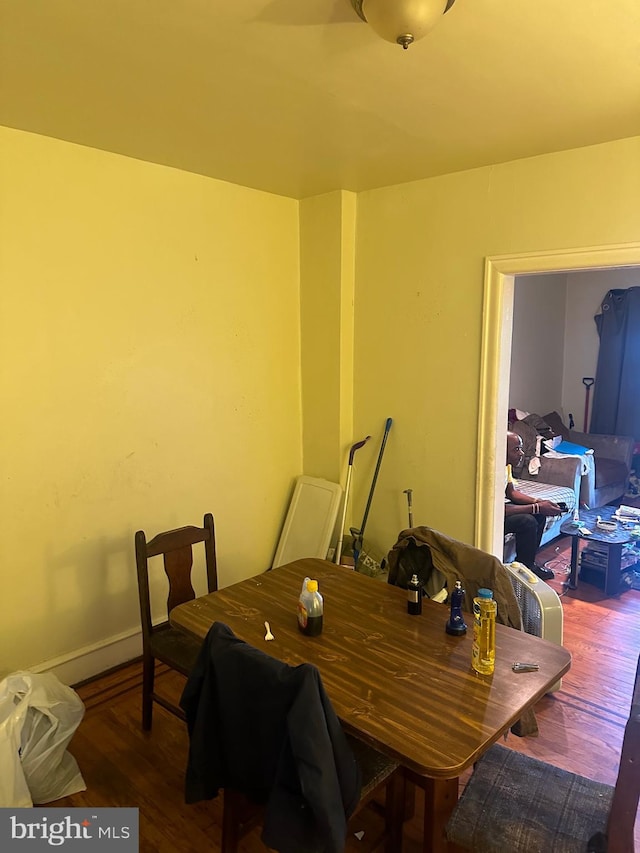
point(267, 729)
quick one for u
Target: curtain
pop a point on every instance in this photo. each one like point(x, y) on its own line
point(616, 398)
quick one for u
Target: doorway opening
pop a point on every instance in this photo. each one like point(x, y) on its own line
point(500, 272)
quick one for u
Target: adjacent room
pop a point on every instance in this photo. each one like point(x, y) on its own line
point(236, 239)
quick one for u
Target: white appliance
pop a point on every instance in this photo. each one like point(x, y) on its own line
point(310, 522)
point(540, 606)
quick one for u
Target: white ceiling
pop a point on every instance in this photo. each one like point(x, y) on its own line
point(299, 97)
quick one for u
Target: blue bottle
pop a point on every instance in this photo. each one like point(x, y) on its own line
point(456, 624)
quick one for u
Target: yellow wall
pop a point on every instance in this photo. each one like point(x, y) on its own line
point(421, 250)
point(327, 272)
point(151, 366)
point(149, 372)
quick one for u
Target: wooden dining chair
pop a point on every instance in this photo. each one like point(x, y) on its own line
point(382, 791)
point(266, 734)
point(517, 803)
point(162, 642)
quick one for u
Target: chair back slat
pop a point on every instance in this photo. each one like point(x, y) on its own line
point(178, 565)
point(175, 540)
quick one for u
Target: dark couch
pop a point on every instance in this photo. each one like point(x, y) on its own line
point(612, 462)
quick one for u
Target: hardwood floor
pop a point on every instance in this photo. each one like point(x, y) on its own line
point(581, 728)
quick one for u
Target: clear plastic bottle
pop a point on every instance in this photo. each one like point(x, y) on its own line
point(483, 653)
point(310, 609)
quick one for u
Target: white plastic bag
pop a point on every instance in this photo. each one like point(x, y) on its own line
point(38, 717)
point(14, 790)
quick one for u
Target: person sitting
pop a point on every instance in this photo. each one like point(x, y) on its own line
point(524, 516)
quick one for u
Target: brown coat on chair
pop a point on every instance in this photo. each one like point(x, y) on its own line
point(422, 546)
point(457, 561)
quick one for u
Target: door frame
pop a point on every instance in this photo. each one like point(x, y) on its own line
point(495, 361)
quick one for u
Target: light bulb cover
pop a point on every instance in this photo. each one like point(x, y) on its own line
point(395, 20)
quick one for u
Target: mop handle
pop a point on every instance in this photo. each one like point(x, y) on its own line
point(354, 447)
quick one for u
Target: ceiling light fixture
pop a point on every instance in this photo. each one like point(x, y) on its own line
point(401, 21)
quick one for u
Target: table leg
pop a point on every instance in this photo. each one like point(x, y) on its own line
point(409, 797)
point(440, 798)
point(573, 577)
point(612, 573)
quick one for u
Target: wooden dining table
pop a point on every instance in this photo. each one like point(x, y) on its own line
point(397, 681)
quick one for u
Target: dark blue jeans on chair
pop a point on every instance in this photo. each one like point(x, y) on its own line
point(527, 530)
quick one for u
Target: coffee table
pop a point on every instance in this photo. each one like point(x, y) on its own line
point(613, 541)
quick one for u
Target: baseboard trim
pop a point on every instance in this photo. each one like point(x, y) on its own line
point(87, 662)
